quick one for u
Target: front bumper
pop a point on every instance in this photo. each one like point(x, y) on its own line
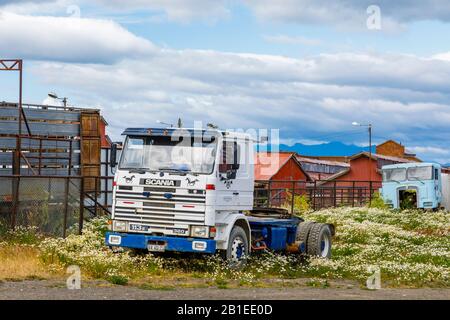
point(179, 244)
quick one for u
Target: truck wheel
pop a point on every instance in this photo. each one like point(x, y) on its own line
point(319, 241)
point(237, 250)
point(303, 230)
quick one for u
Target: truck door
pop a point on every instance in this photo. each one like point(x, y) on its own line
point(227, 186)
point(244, 184)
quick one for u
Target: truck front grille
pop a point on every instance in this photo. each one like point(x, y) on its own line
point(158, 210)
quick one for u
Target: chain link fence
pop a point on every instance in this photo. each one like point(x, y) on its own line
point(51, 204)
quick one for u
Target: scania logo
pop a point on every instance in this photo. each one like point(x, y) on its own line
point(161, 182)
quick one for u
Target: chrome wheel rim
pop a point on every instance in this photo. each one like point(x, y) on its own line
point(324, 246)
point(237, 249)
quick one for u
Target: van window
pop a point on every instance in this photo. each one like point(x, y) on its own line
point(420, 173)
point(398, 174)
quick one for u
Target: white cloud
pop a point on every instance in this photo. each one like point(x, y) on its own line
point(285, 39)
point(174, 10)
point(350, 13)
point(69, 39)
point(405, 97)
point(430, 150)
point(305, 98)
point(445, 56)
point(347, 14)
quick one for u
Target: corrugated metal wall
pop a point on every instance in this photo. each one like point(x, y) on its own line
point(59, 141)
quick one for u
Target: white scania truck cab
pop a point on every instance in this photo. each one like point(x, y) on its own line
point(191, 190)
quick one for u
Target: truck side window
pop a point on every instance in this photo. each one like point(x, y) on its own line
point(230, 157)
point(436, 174)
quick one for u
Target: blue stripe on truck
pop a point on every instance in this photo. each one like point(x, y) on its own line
point(140, 241)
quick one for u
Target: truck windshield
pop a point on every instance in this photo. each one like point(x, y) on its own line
point(420, 173)
point(398, 174)
point(163, 153)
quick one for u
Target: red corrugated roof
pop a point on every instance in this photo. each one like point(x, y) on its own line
point(267, 164)
point(376, 156)
point(325, 162)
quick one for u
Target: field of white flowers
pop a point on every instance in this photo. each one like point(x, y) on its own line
point(411, 248)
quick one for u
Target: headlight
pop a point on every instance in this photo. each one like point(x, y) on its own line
point(120, 226)
point(199, 231)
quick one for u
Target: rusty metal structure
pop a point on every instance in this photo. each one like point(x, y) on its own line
point(50, 168)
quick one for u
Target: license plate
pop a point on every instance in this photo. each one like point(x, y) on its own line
point(156, 247)
point(138, 227)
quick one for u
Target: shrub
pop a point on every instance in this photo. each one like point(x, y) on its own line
point(301, 202)
point(377, 201)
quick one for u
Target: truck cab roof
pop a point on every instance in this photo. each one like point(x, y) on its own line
point(191, 131)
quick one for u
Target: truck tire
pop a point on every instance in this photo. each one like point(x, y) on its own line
point(303, 230)
point(319, 241)
point(237, 251)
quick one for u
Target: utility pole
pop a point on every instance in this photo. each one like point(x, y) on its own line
point(369, 126)
point(370, 151)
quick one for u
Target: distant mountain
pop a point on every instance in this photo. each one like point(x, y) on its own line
point(325, 149)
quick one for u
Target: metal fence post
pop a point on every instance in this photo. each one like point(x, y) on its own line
point(81, 217)
point(293, 197)
point(353, 194)
point(106, 180)
point(15, 193)
point(335, 195)
point(66, 205)
point(40, 155)
point(314, 195)
point(370, 193)
point(95, 196)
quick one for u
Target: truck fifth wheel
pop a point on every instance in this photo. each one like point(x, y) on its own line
point(191, 190)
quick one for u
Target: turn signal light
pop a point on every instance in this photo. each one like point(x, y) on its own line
point(210, 187)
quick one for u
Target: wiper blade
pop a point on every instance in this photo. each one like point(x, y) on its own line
point(140, 170)
point(174, 170)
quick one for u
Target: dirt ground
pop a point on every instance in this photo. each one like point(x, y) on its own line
point(99, 290)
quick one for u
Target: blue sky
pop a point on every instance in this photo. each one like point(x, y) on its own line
point(309, 68)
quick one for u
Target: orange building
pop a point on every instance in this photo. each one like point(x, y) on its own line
point(395, 149)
